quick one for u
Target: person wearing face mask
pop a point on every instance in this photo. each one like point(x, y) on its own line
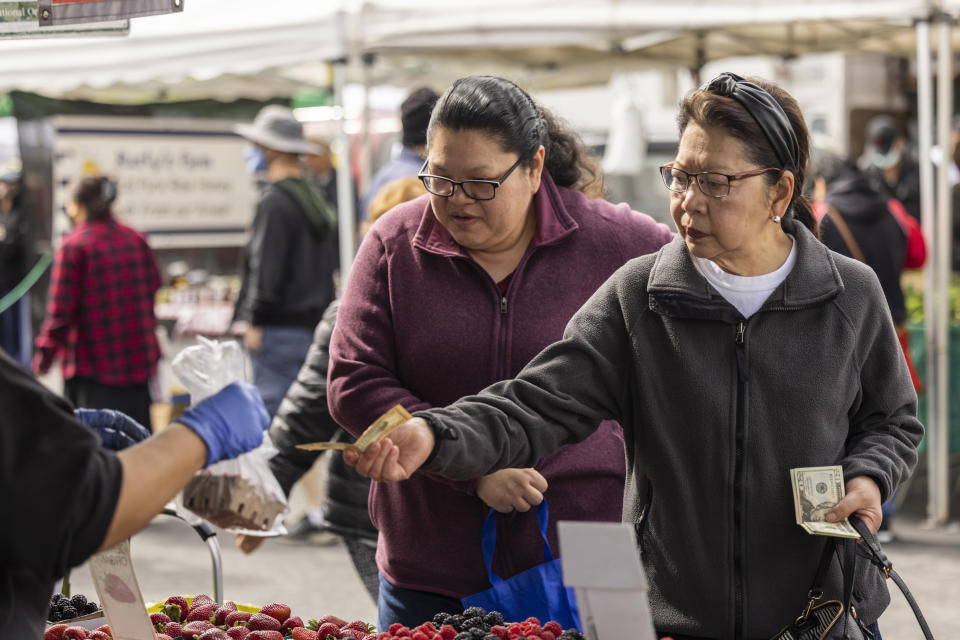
point(889, 165)
point(291, 256)
point(100, 322)
point(741, 350)
point(456, 289)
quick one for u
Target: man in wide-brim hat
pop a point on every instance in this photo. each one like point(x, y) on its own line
point(291, 257)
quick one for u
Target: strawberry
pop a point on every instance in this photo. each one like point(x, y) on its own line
point(163, 636)
point(193, 629)
point(55, 632)
point(214, 634)
point(553, 627)
point(75, 633)
point(359, 625)
point(420, 635)
point(547, 635)
point(202, 599)
point(106, 629)
point(301, 633)
point(177, 608)
point(291, 623)
point(328, 629)
point(279, 611)
point(223, 611)
point(202, 612)
point(235, 618)
point(98, 635)
point(238, 633)
point(449, 633)
point(157, 619)
point(172, 629)
point(263, 622)
point(264, 635)
point(334, 619)
point(360, 635)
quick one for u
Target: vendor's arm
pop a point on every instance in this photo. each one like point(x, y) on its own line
point(884, 430)
point(561, 396)
point(222, 426)
point(64, 296)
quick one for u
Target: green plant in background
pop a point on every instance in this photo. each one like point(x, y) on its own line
point(913, 297)
point(6, 105)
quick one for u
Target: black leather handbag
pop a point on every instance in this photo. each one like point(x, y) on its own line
point(835, 620)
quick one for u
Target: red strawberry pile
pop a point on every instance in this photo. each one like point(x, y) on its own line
point(477, 624)
point(204, 619)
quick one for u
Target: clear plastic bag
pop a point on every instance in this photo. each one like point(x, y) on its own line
point(240, 495)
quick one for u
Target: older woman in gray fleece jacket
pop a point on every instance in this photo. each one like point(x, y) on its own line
point(742, 349)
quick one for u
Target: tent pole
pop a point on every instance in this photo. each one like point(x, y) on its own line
point(927, 212)
point(940, 440)
point(365, 168)
point(345, 198)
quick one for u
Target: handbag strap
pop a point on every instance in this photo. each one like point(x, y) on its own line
point(846, 234)
point(488, 539)
point(879, 558)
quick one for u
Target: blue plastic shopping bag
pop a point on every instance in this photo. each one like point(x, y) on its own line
point(537, 592)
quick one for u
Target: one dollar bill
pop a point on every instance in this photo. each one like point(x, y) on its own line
point(816, 490)
point(380, 429)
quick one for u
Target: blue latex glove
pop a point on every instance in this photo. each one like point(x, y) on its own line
point(116, 430)
point(230, 422)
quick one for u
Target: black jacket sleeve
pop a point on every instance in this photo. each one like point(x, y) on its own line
point(62, 486)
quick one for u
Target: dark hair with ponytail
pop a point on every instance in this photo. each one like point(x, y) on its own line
point(96, 195)
point(506, 112)
point(708, 109)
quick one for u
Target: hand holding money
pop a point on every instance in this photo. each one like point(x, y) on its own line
point(380, 429)
point(397, 457)
point(816, 492)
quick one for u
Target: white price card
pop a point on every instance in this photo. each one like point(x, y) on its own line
point(601, 562)
point(119, 591)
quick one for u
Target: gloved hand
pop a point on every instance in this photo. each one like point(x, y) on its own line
point(229, 422)
point(116, 430)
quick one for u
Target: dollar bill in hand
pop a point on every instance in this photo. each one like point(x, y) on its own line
point(380, 429)
point(816, 490)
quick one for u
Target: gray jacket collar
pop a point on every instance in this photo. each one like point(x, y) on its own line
point(677, 289)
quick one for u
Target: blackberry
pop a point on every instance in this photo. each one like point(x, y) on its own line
point(456, 621)
point(79, 601)
point(58, 598)
point(53, 615)
point(478, 633)
point(491, 636)
point(463, 636)
point(92, 607)
point(493, 618)
point(571, 634)
point(473, 612)
point(440, 619)
point(470, 624)
point(68, 612)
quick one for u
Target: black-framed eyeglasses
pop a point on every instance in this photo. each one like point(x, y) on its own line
point(473, 189)
point(711, 183)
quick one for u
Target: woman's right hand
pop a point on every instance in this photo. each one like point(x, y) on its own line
point(397, 456)
point(509, 489)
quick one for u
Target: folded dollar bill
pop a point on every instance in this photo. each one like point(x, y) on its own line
point(380, 429)
point(816, 490)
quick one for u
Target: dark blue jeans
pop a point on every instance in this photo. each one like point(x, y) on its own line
point(277, 363)
point(410, 608)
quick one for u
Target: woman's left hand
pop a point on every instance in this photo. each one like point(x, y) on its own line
point(862, 500)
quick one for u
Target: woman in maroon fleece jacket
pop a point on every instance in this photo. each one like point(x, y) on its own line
point(458, 289)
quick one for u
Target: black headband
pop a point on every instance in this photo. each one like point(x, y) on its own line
point(765, 110)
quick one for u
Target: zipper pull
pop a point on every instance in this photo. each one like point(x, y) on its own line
point(503, 304)
point(741, 328)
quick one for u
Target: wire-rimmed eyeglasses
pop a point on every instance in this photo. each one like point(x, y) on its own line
point(473, 189)
point(711, 183)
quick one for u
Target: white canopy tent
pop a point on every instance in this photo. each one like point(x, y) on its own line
point(282, 45)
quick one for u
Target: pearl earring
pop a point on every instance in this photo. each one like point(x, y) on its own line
point(776, 219)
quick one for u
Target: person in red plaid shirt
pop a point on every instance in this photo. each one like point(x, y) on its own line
point(100, 320)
